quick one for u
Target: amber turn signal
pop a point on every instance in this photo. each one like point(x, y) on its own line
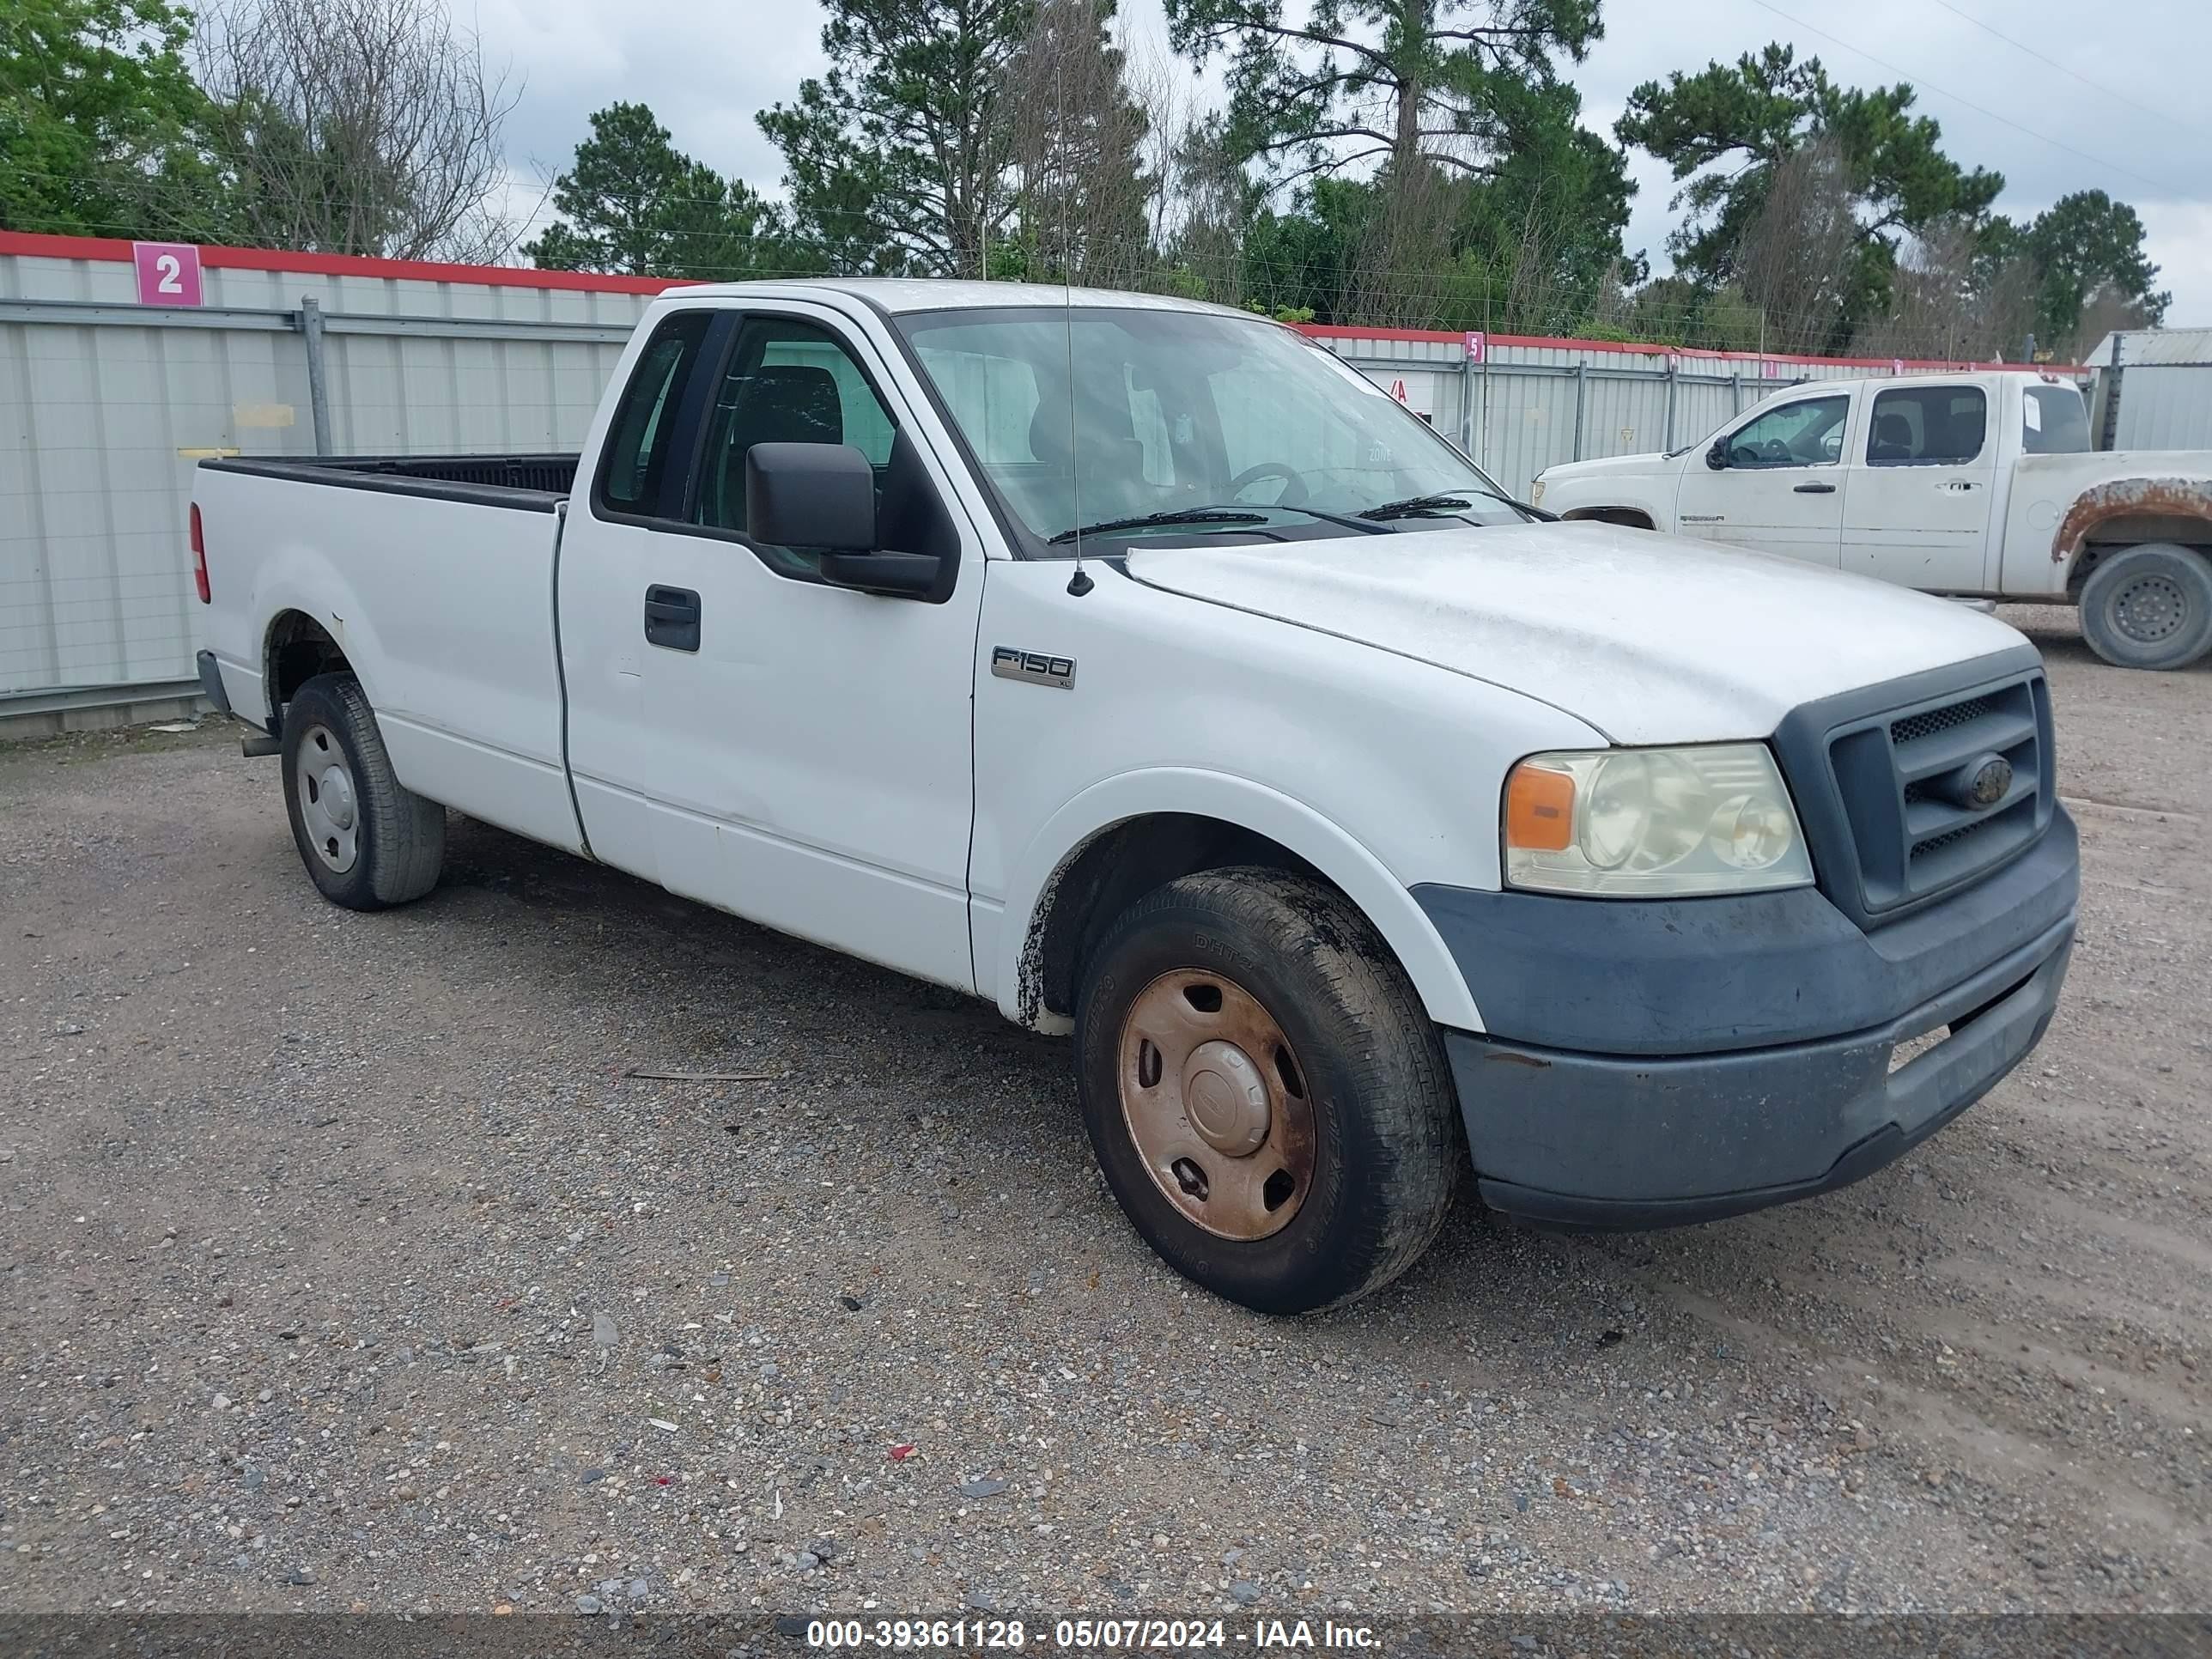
point(1539, 809)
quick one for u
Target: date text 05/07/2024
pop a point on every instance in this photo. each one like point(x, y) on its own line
point(1088, 1634)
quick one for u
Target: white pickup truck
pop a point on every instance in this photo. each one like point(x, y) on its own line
point(1981, 486)
point(1136, 666)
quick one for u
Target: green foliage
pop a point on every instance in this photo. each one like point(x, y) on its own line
point(1726, 130)
point(101, 124)
point(1343, 82)
point(2082, 243)
point(1437, 172)
point(897, 158)
point(632, 203)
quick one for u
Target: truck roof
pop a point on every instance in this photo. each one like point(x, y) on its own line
point(900, 294)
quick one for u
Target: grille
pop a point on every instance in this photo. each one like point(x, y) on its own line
point(1930, 721)
point(1950, 838)
point(1904, 778)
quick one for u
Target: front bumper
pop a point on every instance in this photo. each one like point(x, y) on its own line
point(1632, 1135)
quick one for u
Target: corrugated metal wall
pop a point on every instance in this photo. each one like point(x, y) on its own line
point(2165, 406)
point(2154, 389)
point(106, 405)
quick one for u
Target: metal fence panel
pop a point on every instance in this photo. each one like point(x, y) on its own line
point(108, 405)
point(2165, 407)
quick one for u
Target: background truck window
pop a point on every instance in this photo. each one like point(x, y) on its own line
point(2053, 421)
point(1928, 426)
point(1809, 433)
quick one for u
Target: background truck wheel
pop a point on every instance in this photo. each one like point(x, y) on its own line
point(367, 842)
point(2149, 607)
point(1267, 1098)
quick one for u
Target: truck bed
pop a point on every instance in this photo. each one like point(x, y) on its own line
point(532, 483)
point(437, 570)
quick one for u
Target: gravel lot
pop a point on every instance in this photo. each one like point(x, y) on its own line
point(347, 1268)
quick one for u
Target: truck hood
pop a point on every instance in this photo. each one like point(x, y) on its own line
point(1622, 466)
point(1648, 638)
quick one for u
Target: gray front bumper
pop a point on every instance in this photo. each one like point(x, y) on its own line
point(1599, 1141)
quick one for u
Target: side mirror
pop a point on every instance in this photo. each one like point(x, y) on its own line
point(810, 495)
point(1717, 457)
point(824, 495)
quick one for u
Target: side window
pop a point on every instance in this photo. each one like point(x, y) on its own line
point(1809, 433)
point(2055, 422)
point(789, 382)
point(1928, 426)
point(637, 461)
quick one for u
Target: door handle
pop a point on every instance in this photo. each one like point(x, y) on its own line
point(1813, 490)
point(1955, 486)
point(671, 617)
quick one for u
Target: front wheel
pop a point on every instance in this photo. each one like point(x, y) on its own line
point(368, 842)
point(2149, 607)
point(1266, 1097)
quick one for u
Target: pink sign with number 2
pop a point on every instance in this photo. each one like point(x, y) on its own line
point(168, 273)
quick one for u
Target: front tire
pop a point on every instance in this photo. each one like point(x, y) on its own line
point(367, 841)
point(1266, 1097)
point(2149, 607)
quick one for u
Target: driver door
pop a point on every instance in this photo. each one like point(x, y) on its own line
point(1780, 488)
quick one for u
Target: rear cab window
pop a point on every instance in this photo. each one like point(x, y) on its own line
point(633, 471)
point(1928, 426)
point(2053, 421)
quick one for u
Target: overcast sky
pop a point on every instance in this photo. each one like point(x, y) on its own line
point(2144, 132)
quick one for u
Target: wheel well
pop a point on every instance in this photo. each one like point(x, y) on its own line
point(299, 647)
point(1628, 518)
point(2190, 536)
point(1111, 871)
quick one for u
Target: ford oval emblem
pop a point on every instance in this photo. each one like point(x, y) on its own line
point(1991, 781)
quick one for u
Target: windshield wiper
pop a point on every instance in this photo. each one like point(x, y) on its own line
point(1178, 515)
point(1443, 505)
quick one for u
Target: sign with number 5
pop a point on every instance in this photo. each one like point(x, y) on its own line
point(168, 273)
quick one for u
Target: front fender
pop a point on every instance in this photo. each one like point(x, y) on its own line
point(1363, 877)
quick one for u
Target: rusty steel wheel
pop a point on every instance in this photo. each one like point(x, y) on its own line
point(1216, 1103)
point(1270, 1104)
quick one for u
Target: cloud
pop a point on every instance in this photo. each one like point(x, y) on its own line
point(706, 68)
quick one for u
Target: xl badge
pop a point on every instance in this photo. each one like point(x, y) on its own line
point(1010, 663)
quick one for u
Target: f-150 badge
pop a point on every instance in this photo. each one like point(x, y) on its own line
point(1010, 663)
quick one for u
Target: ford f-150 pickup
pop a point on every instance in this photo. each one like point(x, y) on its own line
point(1980, 486)
point(1136, 666)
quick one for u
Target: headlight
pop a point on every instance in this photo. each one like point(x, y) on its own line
point(1536, 493)
point(1653, 822)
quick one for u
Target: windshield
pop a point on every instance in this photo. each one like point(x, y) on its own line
point(1181, 411)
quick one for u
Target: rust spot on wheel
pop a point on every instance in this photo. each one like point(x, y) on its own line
point(1217, 1104)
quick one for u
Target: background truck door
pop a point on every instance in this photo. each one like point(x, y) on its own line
point(798, 753)
point(1916, 508)
point(1781, 490)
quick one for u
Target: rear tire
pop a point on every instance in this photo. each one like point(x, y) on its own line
point(367, 841)
point(2149, 607)
point(1283, 1023)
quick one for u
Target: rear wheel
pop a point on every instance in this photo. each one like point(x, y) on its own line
point(2149, 607)
point(367, 841)
point(1266, 1097)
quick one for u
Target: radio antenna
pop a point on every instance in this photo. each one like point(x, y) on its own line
point(1080, 582)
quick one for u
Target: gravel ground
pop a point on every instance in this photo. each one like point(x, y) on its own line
point(347, 1268)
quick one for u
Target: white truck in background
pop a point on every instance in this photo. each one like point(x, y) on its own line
point(1138, 667)
point(1975, 486)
